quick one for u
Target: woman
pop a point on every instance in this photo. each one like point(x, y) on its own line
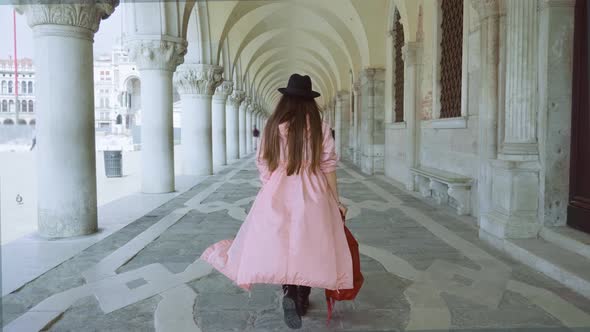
point(293, 234)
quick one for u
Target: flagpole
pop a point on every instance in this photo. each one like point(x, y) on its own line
point(16, 102)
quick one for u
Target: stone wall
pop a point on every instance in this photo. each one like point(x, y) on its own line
point(555, 93)
point(395, 152)
point(452, 148)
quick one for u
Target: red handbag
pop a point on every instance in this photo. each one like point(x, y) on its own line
point(347, 294)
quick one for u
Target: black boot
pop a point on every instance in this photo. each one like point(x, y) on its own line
point(303, 299)
point(292, 317)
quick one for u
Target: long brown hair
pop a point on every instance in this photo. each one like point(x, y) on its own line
point(296, 112)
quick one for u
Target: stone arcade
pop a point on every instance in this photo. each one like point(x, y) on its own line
point(465, 104)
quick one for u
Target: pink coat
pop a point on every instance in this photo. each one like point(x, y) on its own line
point(293, 233)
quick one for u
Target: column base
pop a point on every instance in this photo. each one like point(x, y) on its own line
point(509, 227)
point(53, 227)
point(515, 193)
point(371, 164)
point(158, 190)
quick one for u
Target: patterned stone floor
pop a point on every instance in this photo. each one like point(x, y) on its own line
point(424, 269)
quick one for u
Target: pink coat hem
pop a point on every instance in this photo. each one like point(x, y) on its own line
point(293, 233)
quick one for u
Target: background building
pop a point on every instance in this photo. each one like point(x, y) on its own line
point(19, 110)
point(117, 94)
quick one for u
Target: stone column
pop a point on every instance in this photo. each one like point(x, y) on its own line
point(520, 127)
point(66, 157)
point(515, 175)
point(346, 123)
point(248, 130)
point(489, 15)
point(242, 124)
point(218, 123)
point(232, 125)
point(410, 54)
point(356, 132)
point(196, 84)
point(373, 135)
point(331, 111)
point(156, 60)
point(342, 122)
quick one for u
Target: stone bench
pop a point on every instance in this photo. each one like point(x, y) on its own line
point(441, 184)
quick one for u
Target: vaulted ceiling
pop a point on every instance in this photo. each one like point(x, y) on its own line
point(261, 42)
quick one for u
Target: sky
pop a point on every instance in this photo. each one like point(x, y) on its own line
point(106, 36)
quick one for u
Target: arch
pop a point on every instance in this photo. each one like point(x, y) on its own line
point(4, 87)
point(5, 106)
point(130, 79)
point(132, 88)
point(119, 119)
point(406, 9)
point(32, 122)
point(22, 122)
point(31, 103)
point(10, 86)
point(23, 87)
point(246, 14)
point(330, 40)
point(30, 87)
point(23, 106)
point(8, 122)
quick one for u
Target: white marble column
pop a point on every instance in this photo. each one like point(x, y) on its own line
point(218, 123)
point(515, 174)
point(156, 60)
point(65, 153)
point(356, 140)
point(248, 130)
point(330, 113)
point(372, 139)
point(411, 57)
point(232, 125)
point(520, 123)
point(242, 124)
point(259, 120)
point(340, 121)
point(345, 124)
point(196, 84)
point(489, 15)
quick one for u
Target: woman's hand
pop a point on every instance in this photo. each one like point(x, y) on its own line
point(343, 209)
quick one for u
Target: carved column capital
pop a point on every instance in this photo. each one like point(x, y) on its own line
point(370, 73)
point(84, 14)
point(237, 97)
point(356, 88)
point(198, 79)
point(224, 90)
point(157, 53)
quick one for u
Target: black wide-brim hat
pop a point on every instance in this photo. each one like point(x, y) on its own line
point(299, 86)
